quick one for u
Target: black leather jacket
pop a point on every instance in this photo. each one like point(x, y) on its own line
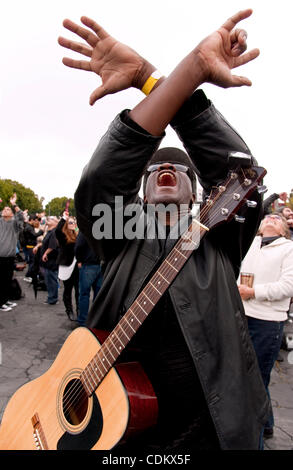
point(204, 294)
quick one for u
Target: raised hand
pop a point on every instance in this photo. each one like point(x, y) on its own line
point(223, 51)
point(13, 199)
point(119, 66)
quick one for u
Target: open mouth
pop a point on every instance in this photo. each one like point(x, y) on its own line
point(166, 178)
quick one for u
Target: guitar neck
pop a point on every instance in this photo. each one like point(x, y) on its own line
point(129, 324)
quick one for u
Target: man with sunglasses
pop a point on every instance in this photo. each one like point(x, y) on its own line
point(195, 345)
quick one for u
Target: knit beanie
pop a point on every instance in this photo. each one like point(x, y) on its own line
point(172, 155)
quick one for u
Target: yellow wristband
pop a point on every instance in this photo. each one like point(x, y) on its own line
point(151, 81)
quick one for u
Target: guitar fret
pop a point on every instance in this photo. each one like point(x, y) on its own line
point(148, 298)
point(123, 332)
point(105, 357)
point(83, 378)
point(188, 239)
point(171, 265)
point(130, 325)
point(141, 308)
point(155, 288)
point(108, 347)
point(91, 377)
point(188, 249)
point(113, 335)
point(135, 316)
point(180, 253)
point(94, 371)
point(163, 277)
point(102, 362)
point(94, 368)
point(89, 387)
point(97, 367)
point(117, 336)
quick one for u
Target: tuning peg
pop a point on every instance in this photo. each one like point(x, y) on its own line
point(262, 189)
point(239, 219)
point(251, 204)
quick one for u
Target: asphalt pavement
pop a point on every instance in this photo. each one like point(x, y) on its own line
point(32, 333)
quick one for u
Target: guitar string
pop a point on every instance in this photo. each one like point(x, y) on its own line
point(165, 273)
point(95, 369)
point(203, 212)
point(78, 387)
point(69, 395)
point(136, 305)
point(128, 332)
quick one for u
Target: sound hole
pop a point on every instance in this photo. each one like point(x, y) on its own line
point(75, 402)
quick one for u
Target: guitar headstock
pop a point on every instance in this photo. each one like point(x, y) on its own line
point(227, 198)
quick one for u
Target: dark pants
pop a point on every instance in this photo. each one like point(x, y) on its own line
point(69, 285)
point(6, 275)
point(266, 338)
point(51, 280)
point(90, 277)
point(31, 260)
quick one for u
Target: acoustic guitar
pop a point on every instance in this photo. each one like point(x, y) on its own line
point(87, 399)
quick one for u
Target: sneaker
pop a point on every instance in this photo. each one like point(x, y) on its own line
point(10, 304)
point(27, 279)
point(5, 308)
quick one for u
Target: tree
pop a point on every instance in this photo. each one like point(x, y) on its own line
point(26, 198)
point(57, 206)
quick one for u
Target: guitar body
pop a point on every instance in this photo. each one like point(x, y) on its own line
point(54, 412)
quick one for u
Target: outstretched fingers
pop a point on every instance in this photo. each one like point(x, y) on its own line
point(238, 81)
point(232, 22)
point(76, 46)
point(245, 58)
point(85, 34)
point(77, 64)
point(100, 32)
point(97, 94)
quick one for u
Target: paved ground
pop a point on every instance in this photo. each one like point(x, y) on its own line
point(32, 334)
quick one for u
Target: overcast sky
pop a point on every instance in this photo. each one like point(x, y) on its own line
point(48, 131)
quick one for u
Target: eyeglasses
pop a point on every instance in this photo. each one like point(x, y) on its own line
point(177, 166)
point(71, 222)
point(269, 216)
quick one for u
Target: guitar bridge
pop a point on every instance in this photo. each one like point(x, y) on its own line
point(38, 433)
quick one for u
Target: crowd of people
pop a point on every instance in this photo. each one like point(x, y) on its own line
point(211, 339)
point(54, 252)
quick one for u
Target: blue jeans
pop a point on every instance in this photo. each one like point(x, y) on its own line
point(51, 280)
point(266, 338)
point(90, 277)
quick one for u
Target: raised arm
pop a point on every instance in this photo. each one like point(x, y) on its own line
point(211, 61)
